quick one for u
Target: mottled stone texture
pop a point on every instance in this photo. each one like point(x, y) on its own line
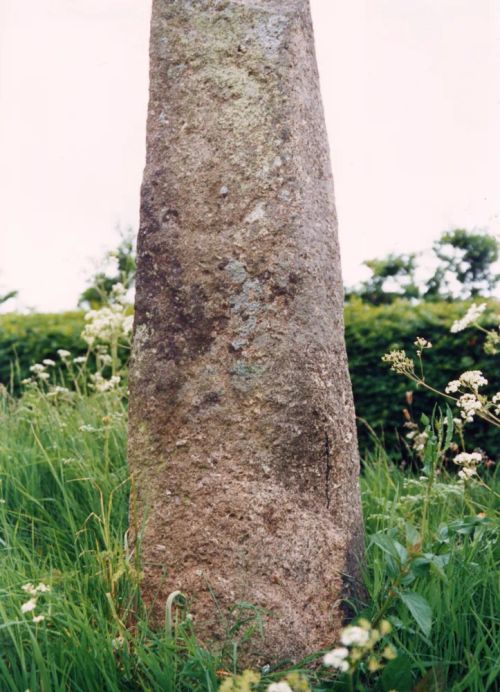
point(242, 434)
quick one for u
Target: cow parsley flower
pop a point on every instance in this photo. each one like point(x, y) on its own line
point(467, 473)
point(336, 658)
point(466, 459)
point(469, 318)
point(469, 405)
point(38, 618)
point(37, 368)
point(48, 362)
point(470, 379)
point(28, 606)
point(279, 687)
point(399, 362)
point(100, 384)
point(496, 400)
point(63, 354)
point(421, 343)
point(354, 635)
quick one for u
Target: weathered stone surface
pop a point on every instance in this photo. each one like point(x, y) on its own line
point(242, 434)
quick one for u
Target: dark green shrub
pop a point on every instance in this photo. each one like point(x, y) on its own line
point(27, 339)
point(380, 395)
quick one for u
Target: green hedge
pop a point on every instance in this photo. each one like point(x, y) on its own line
point(380, 395)
point(27, 339)
point(370, 332)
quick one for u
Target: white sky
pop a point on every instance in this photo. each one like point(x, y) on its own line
point(411, 90)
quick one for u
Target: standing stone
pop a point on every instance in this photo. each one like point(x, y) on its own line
point(242, 432)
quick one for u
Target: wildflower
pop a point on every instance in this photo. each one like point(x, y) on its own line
point(279, 687)
point(465, 459)
point(57, 390)
point(27, 380)
point(38, 618)
point(473, 379)
point(100, 384)
point(470, 405)
point(107, 324)
point(419, 441)
point(28, 606)
point(242, 683)
point(496, 400)
point(37, 368)
point(87, 428)
point(389, 653)
point(421, 343)
point(42, 588)
point(34, 590)
point(469, 318)
point(354, 635)
point(79, 359)
point(399, 362)
point(467, 473)
point(49, 362)
point(470, 379)
point(29, 588)
point(43, 376)
point(336, 658)
point(63, 354)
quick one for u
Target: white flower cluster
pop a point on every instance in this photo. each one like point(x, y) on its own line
point(279, 687)
point(40, 371)
point(108, 324)
point(469, 463)
point(30, 605)
point(399, 362)
point(358, 642)
point(496, 401)
point(470, 402)
point(101, 384)
point(419, 439)
point(470, 317)
point(63, 354)
point(58, 392)
point(421, 343)
point(469, 405)
point(470, 379)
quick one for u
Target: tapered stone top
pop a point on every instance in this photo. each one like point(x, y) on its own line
point(242, 434)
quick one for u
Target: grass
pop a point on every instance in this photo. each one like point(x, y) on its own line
point(63, 521)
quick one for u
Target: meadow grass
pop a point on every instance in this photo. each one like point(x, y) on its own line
point(64, 523)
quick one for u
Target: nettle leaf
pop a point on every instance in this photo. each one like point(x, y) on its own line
point(390, 546)
point(419, 608)
point(420, 566)
point(412, 534)
point(438, 563)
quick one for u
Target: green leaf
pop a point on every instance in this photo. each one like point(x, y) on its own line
point(412, 534)
point(420, 566)
point(390, 546)
point(419, 608)
point(397, 675)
